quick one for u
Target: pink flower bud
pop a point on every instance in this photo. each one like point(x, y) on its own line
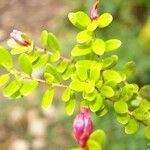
point(20, 38)
point(83, 126)
point(94, 11)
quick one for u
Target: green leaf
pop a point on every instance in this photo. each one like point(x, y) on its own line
point(98, 47)
point(68, 72)
point(96, 64)
point(90, 86)
point(135, 102)
point(127, 92)
point(104, 20)
point(89, 64)
point(112, 75)
point(52, 70)
point(74, 76)
point(99, 84)
point(141, 114)
point(123, 75)
point(135, 87)
point(5, 58)
point(34, 56)
point(80, 50)
point(95, 73)
point(47, 98)
point(82, 18)
point(25, 64)
point(93, 25)
point(145, 92)
point(41, 61)
point(112, 45)
point(110, 62)
point(62, 66)
point(82, 73)
point(93, 145)
point(28, 87)
point(90, 96)
point(113, 84)
point(107, 91)
point(99, 136)
point(66, 94)
point(84, 103)
point(70, 106)
point(53, 42)
point(19, 50)
point(123, 119)
point(130, 68)
point(4, 79)
point(147, 132)
point(96, 104)
point(73, 20)
point(16, 95)
point(49, 78)
point(79, 19)
point(102, 112)
point(121, 107)
point(84, 36)
point(44, 37)
point(132, 127)
point(84, 63)
point(144, 104)
point(12, 88)
point(77, 85)
point(55, 56)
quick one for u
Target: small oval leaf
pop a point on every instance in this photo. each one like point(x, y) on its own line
point(44, 37)
point(107, 91)
point(4, 79)
point(112, 45)
point(66, 94)
point(79, 19)
point(98, 47)
point(47, 98)
point(70, 106)
point(84, 36)
point(5, 58)
point(53, 42)
point(25, 64)
point(132, 127)
point(80, 50)
point(28, 87)
point(104, 20)
point(121, 107)
point(12, 88)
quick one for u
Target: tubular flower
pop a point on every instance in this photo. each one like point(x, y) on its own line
point(20, 38)
point(94, 11)
point(82, 126)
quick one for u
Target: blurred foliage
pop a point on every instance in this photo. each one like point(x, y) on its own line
point(131, 26)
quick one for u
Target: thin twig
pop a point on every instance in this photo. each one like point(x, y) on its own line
point(53, 84)
point(59, 85)
point(50, 53)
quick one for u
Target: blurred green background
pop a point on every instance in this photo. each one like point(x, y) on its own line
point(23, 124)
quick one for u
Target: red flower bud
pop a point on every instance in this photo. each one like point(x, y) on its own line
point(94, 11)
point(83, 126)
point(20, 38)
